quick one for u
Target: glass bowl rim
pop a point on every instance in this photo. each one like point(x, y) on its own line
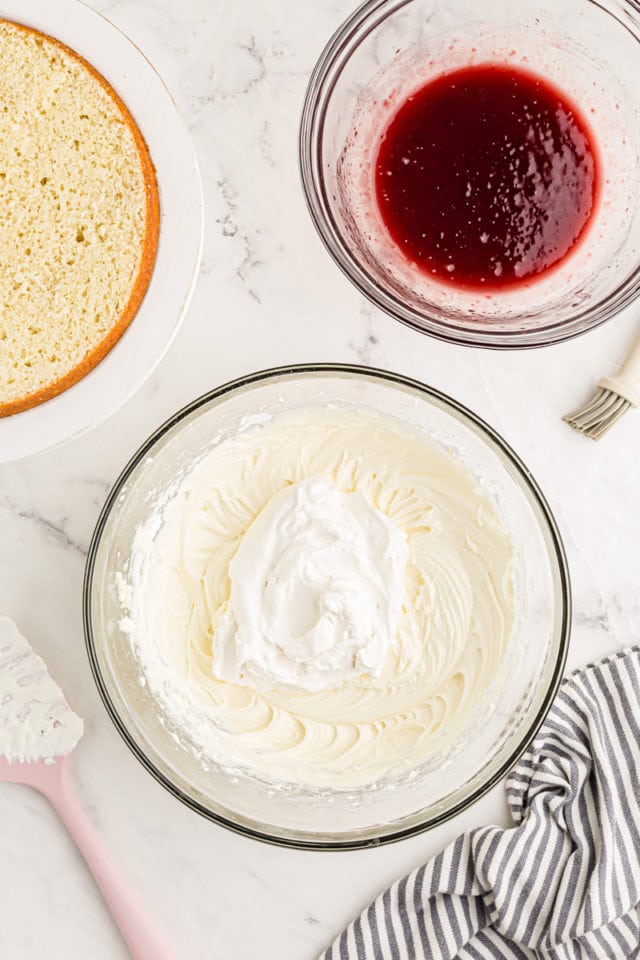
point(523, 741)
point(322, 81)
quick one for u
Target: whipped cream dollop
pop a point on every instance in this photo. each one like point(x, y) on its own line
point(316, 592)
point(231, 662)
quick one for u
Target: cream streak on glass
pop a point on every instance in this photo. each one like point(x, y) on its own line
point(453, 628)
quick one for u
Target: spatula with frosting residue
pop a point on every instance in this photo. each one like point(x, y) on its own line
point(38, 731)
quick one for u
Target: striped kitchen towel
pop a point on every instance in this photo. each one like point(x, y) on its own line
point(564, 882)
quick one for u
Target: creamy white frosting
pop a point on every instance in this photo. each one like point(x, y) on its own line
point(195, 550)
point(36, 722)
point(316, 592)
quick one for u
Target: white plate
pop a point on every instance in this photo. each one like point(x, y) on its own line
point(140, 349)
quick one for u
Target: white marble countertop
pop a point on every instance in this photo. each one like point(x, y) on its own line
point(268, 294)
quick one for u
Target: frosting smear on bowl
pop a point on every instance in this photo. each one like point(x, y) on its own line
point(324, 600)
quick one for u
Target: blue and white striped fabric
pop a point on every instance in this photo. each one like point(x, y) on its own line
point(564, 883)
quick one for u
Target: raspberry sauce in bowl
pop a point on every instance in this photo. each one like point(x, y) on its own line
point(472, 166)
point(486, 177)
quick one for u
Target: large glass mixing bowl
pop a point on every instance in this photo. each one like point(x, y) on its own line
point(384, 52)
point(509, 715)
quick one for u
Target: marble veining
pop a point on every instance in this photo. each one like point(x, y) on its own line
point(267, 294)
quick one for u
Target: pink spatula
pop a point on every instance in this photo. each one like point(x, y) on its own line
point(38, 731)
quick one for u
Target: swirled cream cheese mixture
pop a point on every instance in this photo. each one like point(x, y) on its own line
point(325, 600)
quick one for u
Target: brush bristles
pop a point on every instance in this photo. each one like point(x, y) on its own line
point(599, 415)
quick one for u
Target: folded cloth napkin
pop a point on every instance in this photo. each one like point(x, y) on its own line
point(564, 883)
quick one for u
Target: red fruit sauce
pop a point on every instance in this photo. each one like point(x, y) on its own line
point(486, 177)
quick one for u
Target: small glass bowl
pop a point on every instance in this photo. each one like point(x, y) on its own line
point(512, 709)
point(389, 48)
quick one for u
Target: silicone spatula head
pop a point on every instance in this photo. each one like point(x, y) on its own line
point(36, 722)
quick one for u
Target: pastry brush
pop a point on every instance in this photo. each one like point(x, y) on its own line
point(614, 397)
